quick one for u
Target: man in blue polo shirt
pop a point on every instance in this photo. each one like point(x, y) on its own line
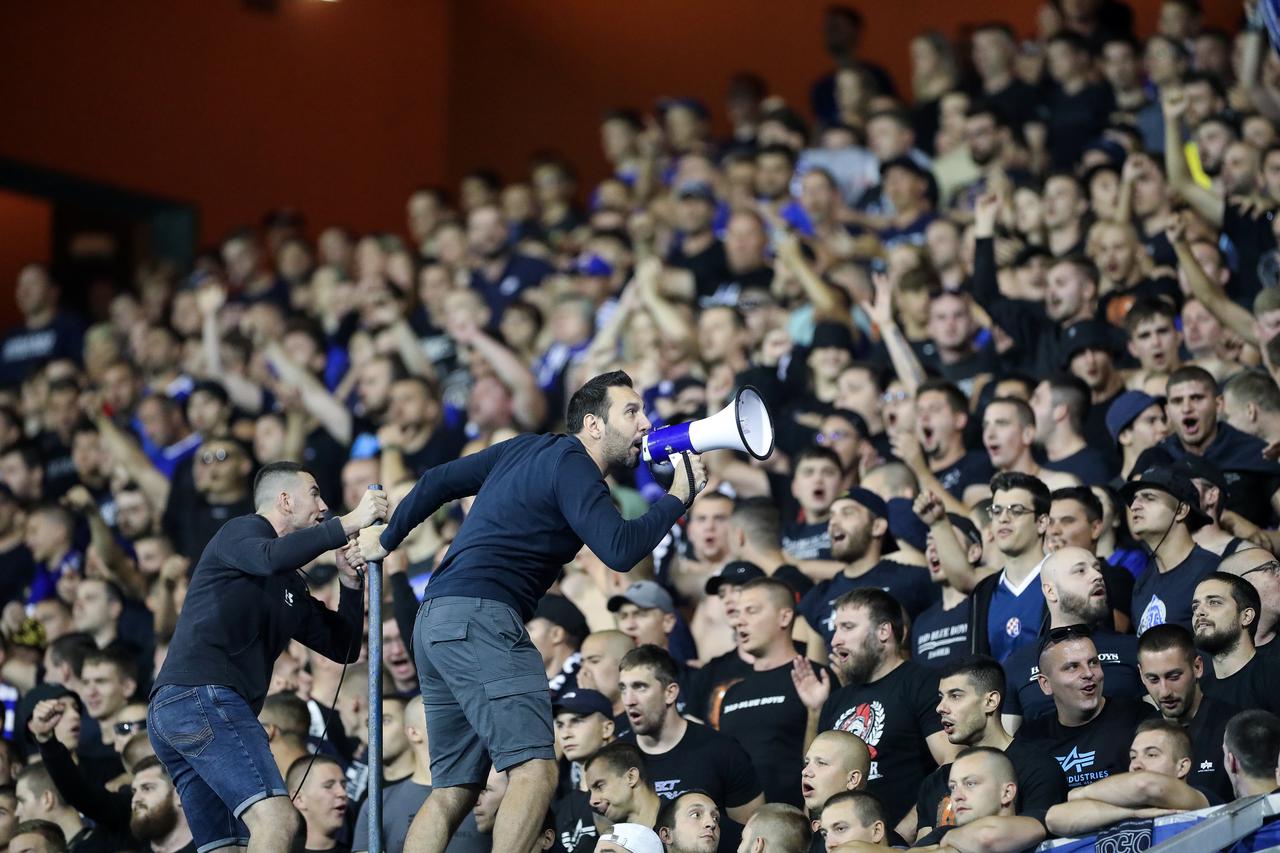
point(502, 274)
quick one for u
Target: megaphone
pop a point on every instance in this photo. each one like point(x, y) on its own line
point(742, 425)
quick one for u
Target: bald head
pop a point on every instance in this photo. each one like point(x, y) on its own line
point(1246, 560)
point(836, 761)
point(1075, 590)
point(613, 643)
point(1060, 561)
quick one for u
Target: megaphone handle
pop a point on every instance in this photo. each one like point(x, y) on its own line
point(688, 470)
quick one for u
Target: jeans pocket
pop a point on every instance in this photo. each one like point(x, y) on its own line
point(181, 722)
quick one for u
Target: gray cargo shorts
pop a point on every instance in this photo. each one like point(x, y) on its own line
point(484, 689)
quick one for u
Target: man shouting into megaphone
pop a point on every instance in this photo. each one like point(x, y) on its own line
point(539, 498)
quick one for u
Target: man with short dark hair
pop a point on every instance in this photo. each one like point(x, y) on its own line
point(1224, 612)
point(886, 700)
point(1163, 508)
point(763, 711)
point(680, 754)
point(539, 499)
point(557, 630)
point(969, 703)
point(1249, 748)
point(1061, 404)
point(984, 792)
point(37, 836)
point(618, 787)
point(319, 788)
point(1171, 672)
point(689, 822)
point(852, 817)
point(246, 596)
point(1155, 784)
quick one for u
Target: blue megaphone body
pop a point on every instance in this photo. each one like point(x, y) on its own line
point(742, 425)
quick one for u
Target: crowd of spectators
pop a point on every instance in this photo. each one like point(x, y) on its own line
point(1009, 574)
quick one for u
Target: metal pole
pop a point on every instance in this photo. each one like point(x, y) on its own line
point(374, 573)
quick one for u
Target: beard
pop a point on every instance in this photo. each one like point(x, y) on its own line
point(861, 663)
point(617, 449)
point(155, 823)
point(854, 546)
point(1087, 609)
point(1217, 641)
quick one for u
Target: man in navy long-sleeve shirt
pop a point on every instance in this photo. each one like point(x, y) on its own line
point(539, 498)
point(247, 600)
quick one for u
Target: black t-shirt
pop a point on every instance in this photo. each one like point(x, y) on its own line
point(445, 445)
point(1087, 464)
point(726, 287)
point(709, 267)
point(802, 541)
point(1075, 120)
point(940, 637)
point(893, 716)
point(1094, 750)
point(19, 569)
point(910, 585)
point(1118, 654)
point(973, 468)
point(1041, 786)
point(764, 714)
point(1160, 597)
point(324, 457)
point(575, 823)
point(1253, 238)
point(1253, 686)
point(1207, 729)
point(707, 685)
point(704, 758)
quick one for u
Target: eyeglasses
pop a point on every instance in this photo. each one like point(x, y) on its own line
point(128, 728)
point(211, 456)
point(1014, 510)
point(833, 436)
point(1269, 566)
point(894, 397)
point(1067, 632)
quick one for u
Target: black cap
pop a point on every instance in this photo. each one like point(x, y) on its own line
point(1085, 335)
point(559, 610)
point(965, 528)
point(828, 334)
point(736, 573)
point(1173, 482)
point(213, 389)
point(36, 695)
point(584, 703)
point(1199, 468)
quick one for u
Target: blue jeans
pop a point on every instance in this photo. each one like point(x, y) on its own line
point(217, 754)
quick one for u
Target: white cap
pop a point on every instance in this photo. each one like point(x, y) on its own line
point(634, 837)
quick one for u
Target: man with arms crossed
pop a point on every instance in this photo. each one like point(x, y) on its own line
point(539, 498)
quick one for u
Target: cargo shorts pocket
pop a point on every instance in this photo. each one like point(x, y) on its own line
point(181, 722)
point(520, 710)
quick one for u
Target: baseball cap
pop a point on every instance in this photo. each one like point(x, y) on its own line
point(584, 703)
point(592, 264)
point(1172, 482)
point(1199, 468)
point(965, 528)
point(736, 572)
point(1125, 409)
point(559, 610)
point(1087, 334)
point(646, 594)
point(869, 499)
point(634, 838)
point(696, 189)
point(38, 694)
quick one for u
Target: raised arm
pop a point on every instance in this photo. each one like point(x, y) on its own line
point(244, 392)
point(905, 363)
point(126, 453)
point(955, 564)
point(528, 403)
point(826, 305)
point(1173, 100)
point(672, 323)
point(1231, 315)
point(324, 407)
point(242, 544)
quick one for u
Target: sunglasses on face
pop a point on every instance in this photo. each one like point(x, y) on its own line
point(211, 456)
point(129, 727)
point(1067, 632)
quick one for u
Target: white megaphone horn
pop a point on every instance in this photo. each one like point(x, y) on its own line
point(742, 425)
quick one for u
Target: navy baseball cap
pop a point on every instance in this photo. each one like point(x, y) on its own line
point(869, 499)
point(1199, 468)
point(828, 334)
point(1172, 482)
point(592, 264)
point(696, 189)
point(736, 572)
point(965, 528)
point(559, 610)
point(1125, 409)
point(646, 594)
point(584, 703)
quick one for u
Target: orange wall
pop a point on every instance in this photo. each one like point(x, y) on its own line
point(335, 108)
point(341, 108)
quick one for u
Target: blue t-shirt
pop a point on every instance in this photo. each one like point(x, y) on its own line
point(520, 274)
point(1015, 614)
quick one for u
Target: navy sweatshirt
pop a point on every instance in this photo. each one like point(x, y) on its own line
point(538, 499)
point(247, 601)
